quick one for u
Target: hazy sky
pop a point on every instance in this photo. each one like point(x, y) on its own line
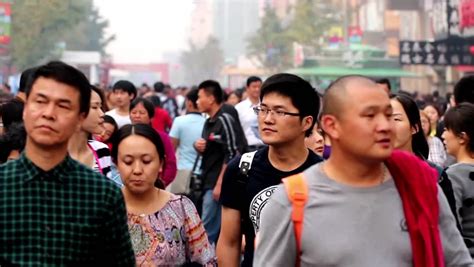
point(145, 29)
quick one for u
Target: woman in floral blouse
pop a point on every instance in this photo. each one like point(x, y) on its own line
point(165, 229)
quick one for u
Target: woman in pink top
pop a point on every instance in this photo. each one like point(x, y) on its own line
point(141, 112)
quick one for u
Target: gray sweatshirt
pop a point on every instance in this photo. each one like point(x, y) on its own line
point(462, 179)
point(348, 226)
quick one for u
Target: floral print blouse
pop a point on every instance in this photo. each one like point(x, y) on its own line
point(172, 236)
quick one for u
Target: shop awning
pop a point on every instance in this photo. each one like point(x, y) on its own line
point(334, 72)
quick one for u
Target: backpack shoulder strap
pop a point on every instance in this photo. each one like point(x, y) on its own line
point(297, 191)
point(246, 162)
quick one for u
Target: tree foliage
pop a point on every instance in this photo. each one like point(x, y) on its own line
point(201, 63)
point(38, 27)
point(306, 23)
point(89, 34)
point(269, 44)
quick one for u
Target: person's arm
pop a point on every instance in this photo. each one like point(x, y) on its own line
point(198, 248)
point(118, 249)
point(216, 193)
point(275, 242)
point(175, 133)
point(454, 248)
point(458, 191)
point(175, 143)
point(230, 238)
point(170, 168)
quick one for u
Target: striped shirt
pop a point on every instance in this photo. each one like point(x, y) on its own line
point(102, 158)
point(68, 216)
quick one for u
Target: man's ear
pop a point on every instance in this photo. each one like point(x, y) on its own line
point(307, 122)
point(330, 125)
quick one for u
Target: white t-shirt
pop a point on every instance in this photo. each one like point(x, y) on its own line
point(248, 120)
point(119, 119)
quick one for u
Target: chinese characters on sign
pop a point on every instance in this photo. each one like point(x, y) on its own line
point(435, 53)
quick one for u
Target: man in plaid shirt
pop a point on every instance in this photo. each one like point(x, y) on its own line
point(53, 210)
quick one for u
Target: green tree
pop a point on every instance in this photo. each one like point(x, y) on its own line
point(89, 34)
point(269, 44)
point(310, 20)
point(38, 27)
point(305, 24)
point(201, 63)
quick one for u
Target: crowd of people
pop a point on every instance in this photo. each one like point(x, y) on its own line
point(275, 174)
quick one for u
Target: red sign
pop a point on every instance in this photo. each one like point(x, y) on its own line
point(5, 22)
point(467, 13)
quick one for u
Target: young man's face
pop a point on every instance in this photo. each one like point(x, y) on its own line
point(204, 101)
point(364, 128)
point(253, 90)
point(52, 113)
point(122, 98)
point(275, 129)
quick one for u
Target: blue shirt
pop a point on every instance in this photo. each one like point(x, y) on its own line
point(187, 129)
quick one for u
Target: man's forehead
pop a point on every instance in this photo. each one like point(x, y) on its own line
point(366, 97)
point(51, 88)
point(276, 99)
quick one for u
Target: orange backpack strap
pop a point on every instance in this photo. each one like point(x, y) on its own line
point(297, 192)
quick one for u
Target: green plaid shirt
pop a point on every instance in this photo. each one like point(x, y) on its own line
point(67, 216)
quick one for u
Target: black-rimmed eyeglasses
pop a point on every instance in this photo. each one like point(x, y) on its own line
point(263, 111)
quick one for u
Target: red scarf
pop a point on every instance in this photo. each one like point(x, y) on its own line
point(418, 188)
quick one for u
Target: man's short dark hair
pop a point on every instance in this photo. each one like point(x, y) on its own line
point(66, 74)
point(302, 95)
point(213, 88)
point(253, 79)
point(464, 90)
point(25, 75)
point(384, 81)
point(192, 96)
point(159, 87)
point(126, 86)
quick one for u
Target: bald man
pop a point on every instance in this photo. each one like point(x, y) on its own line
point(367, 205)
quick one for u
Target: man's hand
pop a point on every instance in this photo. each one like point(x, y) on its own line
point(200, 145)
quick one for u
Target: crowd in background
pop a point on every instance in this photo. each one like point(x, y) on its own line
point(196, 166)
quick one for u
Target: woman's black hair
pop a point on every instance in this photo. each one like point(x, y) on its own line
point(109, 119)
point(103, 99)
point(460, 119)
point(155, 100)
point(150, 109)
point(11, 112)
point(419, 144)
point(143, 130)
point(13, 139)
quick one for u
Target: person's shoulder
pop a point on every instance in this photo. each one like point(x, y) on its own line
point(461, 168)
point(96, 145)
point(233, 164)
point(88, 177)
point(180, 119)
point(313, 158)
point(242, 105)
point(111, 112)
point(9, 167)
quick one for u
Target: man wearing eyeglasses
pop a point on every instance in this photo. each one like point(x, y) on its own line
point(287, 113)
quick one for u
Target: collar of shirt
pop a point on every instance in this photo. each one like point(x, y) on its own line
point(34, 172)
point(218, 113)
